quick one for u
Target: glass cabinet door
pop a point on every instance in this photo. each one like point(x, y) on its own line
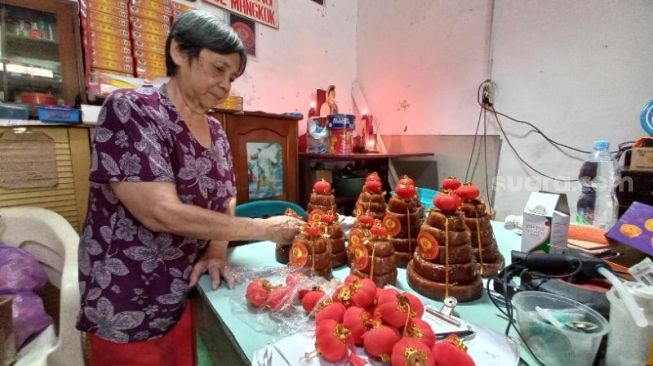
point(31, 64)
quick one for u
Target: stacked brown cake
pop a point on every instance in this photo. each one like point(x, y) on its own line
point(282, 250)
point(444, 264)
point(335, 233)
point(322, 197)
point(371, 200)
point(310, 251)
point(372, 255)
point(477, 220)
point(405, 207)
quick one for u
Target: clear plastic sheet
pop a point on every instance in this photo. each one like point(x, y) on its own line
point(290, 317)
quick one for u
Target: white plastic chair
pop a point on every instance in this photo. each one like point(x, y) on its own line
point(53, 241)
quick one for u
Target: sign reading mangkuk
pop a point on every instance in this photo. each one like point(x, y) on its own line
point(262, 11)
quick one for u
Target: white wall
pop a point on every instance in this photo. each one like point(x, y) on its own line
point(580, 70)
point(314, 46)
point(420, 62)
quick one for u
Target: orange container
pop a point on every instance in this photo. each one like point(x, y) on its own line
point(149, 26)
point(149, 37)
point(150, 14)
point(141, 47)
point(107, 64)
point(341, 141)
point(98, 16)
point(159, 6)
point(151, 63)
point(117, 8)
point(108, 28)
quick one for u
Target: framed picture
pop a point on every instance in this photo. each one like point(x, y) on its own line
point(246, 29)
point(265, 169)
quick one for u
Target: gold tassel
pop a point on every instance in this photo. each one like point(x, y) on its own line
point(372, 259)
point(446, 252)
point(410, 246)
point(478, 235)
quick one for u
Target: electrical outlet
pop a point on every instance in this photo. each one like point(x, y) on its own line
point(488, 92)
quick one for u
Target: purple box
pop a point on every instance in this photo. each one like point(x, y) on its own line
point(635, 228)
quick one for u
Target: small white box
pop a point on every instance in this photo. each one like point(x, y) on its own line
point(546, 223)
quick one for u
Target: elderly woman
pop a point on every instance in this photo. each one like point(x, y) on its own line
point(162, 201)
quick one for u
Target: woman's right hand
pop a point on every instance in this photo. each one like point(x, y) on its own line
point(282, 229)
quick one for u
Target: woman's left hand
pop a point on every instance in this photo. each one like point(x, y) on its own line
point(218, 269)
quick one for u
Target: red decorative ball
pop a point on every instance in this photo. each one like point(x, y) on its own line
point(364, 292)
point(257, 292)
point(374, 176)
point(445, 353)
point(385, 294)
point(332, 341)
point(451, 183)
point(373, 186)
point(343, 294)
point(411, 351)
point(378, 342)
point(468, 191)
point(312, 230)
point(378, 230)
point(418, 328)
point(447, 201)
point(395, 312)
point(278, 297)
point(356, 319)
point(351, 278)
point(334, 311)
point(310, 300)
point(366, 219)
point(406, 180)
point(322, 187)
point(406, 191)
point(416, 305)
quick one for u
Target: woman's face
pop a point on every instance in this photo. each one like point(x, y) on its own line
point(208, 78)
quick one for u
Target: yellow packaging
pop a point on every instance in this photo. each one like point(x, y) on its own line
point(97, 16)
point(146, 53)
point(149, 37)
point(101, 48)
point(179, 8)
point(151, 58)
point(150, 74)
point(232, 103)
point(118, 9)
point(122, 4)
point(149, 26)
point(150, 63)
point(112, 29)
point(104, 40)
point(100, 54)
point(140, 46)
point(159, 6)
point(126, 67)
point(150, 14)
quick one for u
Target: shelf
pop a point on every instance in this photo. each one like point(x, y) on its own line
point(35, 81)
point(32, 48)
point(315, 156)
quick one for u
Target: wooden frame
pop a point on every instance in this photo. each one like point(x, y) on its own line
point(66, 13)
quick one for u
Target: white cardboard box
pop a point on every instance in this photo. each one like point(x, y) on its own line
point(546, 223)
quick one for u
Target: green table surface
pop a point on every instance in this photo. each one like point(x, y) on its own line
point(256, 255)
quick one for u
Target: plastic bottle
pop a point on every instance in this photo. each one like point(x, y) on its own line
point(597, 204)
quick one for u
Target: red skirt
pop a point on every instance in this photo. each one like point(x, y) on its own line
point(175, 348)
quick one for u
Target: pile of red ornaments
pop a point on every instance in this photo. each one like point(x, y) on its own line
point(385, 322)
point(261, 293)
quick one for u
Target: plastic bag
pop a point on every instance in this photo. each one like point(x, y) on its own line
point(21, 276)
point(285, 317)
point(19, 271)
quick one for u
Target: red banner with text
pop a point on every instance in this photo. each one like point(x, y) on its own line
point(262, 11)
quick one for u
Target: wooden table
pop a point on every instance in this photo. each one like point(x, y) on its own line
point(232, 339)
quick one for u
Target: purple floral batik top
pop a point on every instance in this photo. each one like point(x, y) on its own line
point(134, 282)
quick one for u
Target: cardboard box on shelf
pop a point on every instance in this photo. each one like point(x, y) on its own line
point(150, 14)
point(546, 223)
point(118, 57)
point(149, 37)
point(105, 40)
point(146, 53)
point(150, 63)
point(141, 48)
point(97, 16)
point(124, 67)
point(150, 26)
point(100, 49)
point(160, 6)
point(117, 8)
point(108, 28)
point(641, 158)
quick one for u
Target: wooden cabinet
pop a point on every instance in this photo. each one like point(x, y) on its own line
point(40, 52)
point(264, 147)
point(69, 197)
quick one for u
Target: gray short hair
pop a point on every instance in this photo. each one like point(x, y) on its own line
point(197, 29)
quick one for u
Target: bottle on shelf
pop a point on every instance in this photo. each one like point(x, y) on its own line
point(597, 205)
